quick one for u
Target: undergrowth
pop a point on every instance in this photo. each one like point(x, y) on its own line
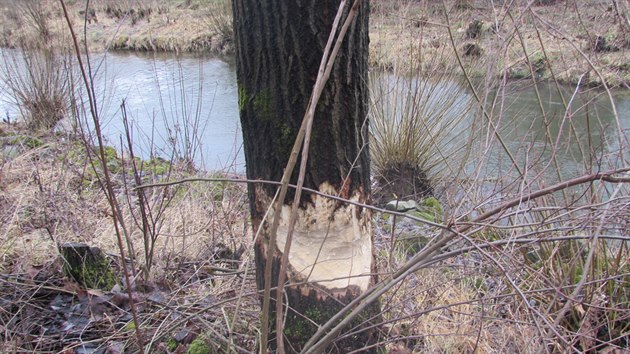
point(513, 253)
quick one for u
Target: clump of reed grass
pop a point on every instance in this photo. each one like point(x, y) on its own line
point(39, 82)
point(417, 130)
point(37, 76)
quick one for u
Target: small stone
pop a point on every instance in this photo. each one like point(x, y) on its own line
point(401, 205)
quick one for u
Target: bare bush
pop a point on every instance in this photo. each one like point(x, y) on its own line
point(220, 19)
point(39, 82)
point(34, 13)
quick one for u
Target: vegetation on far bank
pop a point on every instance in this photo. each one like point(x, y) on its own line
point(570, 41)
point(147, 25)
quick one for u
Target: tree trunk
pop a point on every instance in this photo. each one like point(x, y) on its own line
point(279, 45)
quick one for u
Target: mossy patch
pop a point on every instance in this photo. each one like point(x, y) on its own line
point(88, 266)
point(114, 164)
point(242, 98)
point(171, 345)
point(539, 63)
point(130, 326)
point(411, 244)
point(121, 42)
point(199, 346)
point(13, 146)
point(148, 169)
point(300, 327)
point(157, 166)
point(262, 105)
point(25, 140)
point(431, 210)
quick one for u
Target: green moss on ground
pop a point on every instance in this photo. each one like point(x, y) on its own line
point(199, 346)
point(88, 266)
point(25, 140)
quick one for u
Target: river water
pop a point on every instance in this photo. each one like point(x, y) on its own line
point(188, 104)
point(575, 131)
point(187, 107)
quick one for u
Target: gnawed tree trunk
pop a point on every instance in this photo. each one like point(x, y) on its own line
point(279, 48)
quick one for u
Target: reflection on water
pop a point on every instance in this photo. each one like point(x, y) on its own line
point(575, 131)
point(189, 102)
point(544, 129)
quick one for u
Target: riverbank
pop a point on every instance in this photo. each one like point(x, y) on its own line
point(51, 194)
point(148, 26)
point(588, 44)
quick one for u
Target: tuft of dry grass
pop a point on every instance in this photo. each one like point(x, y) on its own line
point(419, 131)
point(451, 309)
point(39, 82)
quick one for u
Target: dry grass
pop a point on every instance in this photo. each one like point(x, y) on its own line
point(561, 257)
point(420, 131)
point(52, 189)
point(555, 36)
point(446, 315)
point(458, 306)
point(49, 196)
point(435, 310)
point(146, 25)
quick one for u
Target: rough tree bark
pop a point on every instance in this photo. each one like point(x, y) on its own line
point(279, 45)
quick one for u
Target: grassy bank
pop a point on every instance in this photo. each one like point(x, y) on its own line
point(563, 40)
point(201, 289)
point(146, 25)
point(51, 194)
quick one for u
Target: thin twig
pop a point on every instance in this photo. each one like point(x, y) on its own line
point(107, 178)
